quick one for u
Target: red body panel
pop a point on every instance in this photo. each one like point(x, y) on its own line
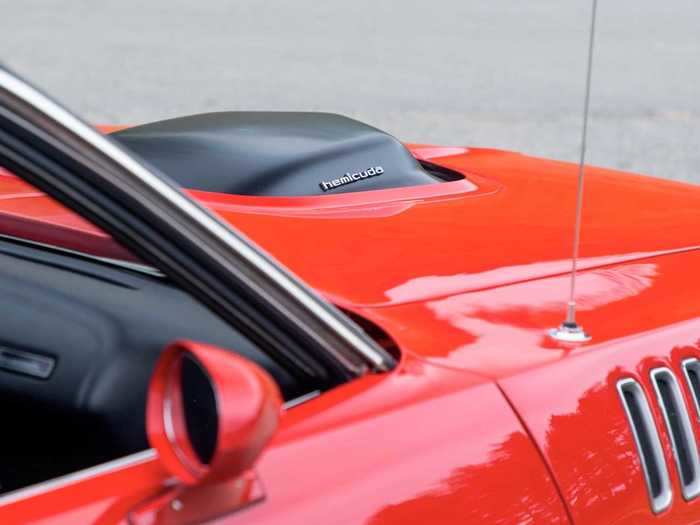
point(378, 450)
point(585, 440)
point(466, 276)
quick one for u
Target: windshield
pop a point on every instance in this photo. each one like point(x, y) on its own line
point(153, 217)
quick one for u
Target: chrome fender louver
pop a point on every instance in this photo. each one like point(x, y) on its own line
point(678, 425)
point(685, 448)
point(691, 371)
point(646, 437)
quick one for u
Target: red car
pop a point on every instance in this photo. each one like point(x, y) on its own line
point(157, 366)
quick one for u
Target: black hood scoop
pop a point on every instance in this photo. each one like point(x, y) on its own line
point(275, 153)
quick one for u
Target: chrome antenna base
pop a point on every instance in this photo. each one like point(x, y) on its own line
point(568, 332)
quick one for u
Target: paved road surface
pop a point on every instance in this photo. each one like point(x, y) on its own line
point(505, 73)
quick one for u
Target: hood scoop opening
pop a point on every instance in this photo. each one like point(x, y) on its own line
point(277, 154)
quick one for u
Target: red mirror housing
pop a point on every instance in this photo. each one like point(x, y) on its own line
point(210, 411)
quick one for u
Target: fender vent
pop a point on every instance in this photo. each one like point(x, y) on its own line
point(691, 370)
point(685, 449)
point(648, 444)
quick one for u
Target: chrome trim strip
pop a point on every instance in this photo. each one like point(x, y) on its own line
point(661, 501)
point(301, 399)
point(306, 310)
point(76, 477)
point(110, 466)
point(689, 489)
point(114, 465)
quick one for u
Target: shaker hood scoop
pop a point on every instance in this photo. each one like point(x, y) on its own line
point(275, 153)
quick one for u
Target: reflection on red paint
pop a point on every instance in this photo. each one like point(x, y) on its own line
point(457, 497)
point(434, 286)
point(496, 318)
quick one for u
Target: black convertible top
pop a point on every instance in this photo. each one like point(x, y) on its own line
point(275, 153)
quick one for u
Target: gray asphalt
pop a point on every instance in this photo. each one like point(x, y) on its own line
point(505, 74)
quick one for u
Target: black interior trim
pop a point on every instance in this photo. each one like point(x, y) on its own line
point(104, 329)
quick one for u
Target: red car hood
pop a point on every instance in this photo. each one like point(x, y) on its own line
point(471, 272)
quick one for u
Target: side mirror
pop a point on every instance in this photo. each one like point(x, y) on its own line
point(209, 411)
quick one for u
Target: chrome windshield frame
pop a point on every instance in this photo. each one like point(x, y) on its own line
point(216, 242)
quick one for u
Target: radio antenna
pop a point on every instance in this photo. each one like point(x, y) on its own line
point(570, 331)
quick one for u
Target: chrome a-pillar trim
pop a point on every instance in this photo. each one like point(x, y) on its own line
point(216, 242)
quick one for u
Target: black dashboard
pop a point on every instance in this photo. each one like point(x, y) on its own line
point(78, 341)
